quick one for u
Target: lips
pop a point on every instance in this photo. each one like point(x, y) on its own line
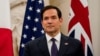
point(50, 26)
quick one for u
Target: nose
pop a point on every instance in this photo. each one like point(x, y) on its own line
point(50, 21)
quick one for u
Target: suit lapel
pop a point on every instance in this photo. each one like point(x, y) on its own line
point(63, 45)
point(43, 47)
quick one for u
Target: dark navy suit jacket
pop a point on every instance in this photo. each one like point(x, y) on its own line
point(68, 47)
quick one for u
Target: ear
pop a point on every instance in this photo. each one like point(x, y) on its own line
point(61, 20)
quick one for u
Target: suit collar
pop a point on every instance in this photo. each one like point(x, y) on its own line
point(63, 45)
point(43, 46)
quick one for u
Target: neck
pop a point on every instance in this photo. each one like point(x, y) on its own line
point(52, 34)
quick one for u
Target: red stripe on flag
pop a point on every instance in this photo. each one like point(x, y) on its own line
point(83, 42)
point(6, 48)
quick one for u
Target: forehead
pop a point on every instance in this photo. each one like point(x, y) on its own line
point(50, 11)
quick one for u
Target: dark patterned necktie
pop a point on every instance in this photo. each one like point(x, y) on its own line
point(54, 50)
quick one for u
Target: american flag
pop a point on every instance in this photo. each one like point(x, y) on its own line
point(79, 26)
point(32, 27)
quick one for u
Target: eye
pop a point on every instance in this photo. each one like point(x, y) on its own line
point(54, 17)
point(45, 18)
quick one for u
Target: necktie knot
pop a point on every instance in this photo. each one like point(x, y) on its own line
point(53, 40)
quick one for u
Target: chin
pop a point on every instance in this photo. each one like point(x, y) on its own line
point(50, 31)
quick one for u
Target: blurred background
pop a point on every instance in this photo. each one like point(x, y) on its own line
point(18, 7)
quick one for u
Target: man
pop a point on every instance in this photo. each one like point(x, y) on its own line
point(61, 45)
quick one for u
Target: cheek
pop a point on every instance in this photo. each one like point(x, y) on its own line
point(43, 24)
point(59, 24)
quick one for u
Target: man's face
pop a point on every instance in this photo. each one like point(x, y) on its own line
point(51, 22)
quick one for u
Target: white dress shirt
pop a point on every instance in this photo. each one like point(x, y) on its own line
point(49, 42)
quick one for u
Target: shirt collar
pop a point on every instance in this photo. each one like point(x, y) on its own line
point(57, 37)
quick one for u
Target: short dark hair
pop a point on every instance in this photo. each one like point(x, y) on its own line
point(51, 7)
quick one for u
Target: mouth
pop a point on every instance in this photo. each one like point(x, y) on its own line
point(50, 27)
